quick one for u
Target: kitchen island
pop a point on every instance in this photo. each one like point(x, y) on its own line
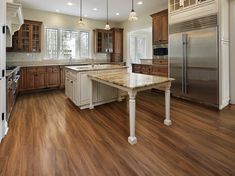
point(132, 83)
point(77, 85)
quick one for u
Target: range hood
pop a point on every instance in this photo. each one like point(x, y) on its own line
point(14, 20)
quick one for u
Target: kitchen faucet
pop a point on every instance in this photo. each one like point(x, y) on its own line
point(70, 61)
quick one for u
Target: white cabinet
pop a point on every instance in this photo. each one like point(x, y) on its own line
point(77, 89)
point(71, 86)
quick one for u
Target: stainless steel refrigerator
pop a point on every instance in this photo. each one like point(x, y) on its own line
point(194, 60)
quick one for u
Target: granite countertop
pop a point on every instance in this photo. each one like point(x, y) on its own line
point(38, 64)
point(96, 67)
point(130, 80)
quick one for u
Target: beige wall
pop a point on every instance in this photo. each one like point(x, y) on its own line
point(232, 50)
point(145, 21)
point(56, 20)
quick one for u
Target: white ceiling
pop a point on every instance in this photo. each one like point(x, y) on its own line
point(122, 7)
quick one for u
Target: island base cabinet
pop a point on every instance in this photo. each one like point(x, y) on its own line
point(78, 89)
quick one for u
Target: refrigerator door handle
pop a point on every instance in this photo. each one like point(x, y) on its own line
point(183, 63)
point(186, 64)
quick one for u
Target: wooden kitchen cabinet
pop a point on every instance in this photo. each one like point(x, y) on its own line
point(159, 68)
point(37, 78)
point(117, 54)
point(53, 76)
point(160, 27)
point(28, 38)
point(62, 77)
point(109, 42)
point(103, 41)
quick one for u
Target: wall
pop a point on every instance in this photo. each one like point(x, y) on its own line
point(3, 123)
point(144, 21)
point(232, 50)
point(55, 20)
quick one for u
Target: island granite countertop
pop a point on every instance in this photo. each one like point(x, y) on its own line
point(130, 80)
point(95, 67)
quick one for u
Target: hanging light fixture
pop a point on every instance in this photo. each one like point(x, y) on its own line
point(81, 22)
point(133, 16)
point(107, 26)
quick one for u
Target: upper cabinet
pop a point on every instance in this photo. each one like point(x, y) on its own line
point(160, 27)
point(175, 5)
point(117, 55)
point(103, 41)
point(110, 41)
point(28, 38)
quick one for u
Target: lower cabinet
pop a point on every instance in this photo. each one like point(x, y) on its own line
point(53, 77)
point(36, 78)
point(159, 68)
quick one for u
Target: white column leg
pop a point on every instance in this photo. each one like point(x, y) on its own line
point(167, 120)
point(132, 114)
point(91, 95)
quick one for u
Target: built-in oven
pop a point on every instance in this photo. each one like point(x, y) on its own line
point(160, 51)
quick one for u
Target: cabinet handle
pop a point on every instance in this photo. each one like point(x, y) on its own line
point(71, 81)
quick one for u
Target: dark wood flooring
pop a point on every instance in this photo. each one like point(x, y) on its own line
point(49, 136)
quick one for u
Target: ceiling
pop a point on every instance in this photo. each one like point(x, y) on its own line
point(123, 7)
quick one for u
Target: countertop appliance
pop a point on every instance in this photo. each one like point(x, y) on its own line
point(194, 60)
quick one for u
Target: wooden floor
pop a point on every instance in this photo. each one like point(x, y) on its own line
point(49, 136)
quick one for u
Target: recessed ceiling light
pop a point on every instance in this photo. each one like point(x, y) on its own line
point(57, 10)
point(95, 9)
point(117, 14)
point(70, 3)
point(140, 3)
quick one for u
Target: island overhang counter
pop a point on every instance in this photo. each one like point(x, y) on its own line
point(133, 83)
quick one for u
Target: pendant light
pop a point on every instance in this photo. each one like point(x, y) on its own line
point(107, 26)
point(81, 22)
point(133, 16)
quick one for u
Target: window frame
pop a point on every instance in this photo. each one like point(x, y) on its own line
point(59, 35)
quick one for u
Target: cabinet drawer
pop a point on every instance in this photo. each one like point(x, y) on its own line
point(41, 69)
point(32, 69)
point(160, 71)
point(160, 61)
point(53, 69)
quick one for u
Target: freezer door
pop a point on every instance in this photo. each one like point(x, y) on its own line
point(201, 70)
point(176, 53)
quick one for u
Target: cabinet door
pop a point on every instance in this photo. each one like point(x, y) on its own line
point(40, 80)
point(164, 28)
point(106, 92)
point(62, 78)
point(53, 77)
point(35, 43)
point(118, 42)
point(24, 38)
point(69, 88)
point(23, 79)
point(85, 89)
point(156, 29)
point(31, 74)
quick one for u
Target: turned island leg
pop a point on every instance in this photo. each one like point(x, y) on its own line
point(132, 115)
point(91, 95)
point(167, 120)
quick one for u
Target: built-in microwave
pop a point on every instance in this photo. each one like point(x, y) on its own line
point(160, 51)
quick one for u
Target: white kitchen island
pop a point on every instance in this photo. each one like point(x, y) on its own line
point(77, 85)
point(133, 83)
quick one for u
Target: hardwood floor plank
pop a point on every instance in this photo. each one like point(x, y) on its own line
point(50, 136)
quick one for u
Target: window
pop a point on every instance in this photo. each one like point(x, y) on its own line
point(84, 44)
point(64, 44)
point(52, 43)
point(137, 48)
